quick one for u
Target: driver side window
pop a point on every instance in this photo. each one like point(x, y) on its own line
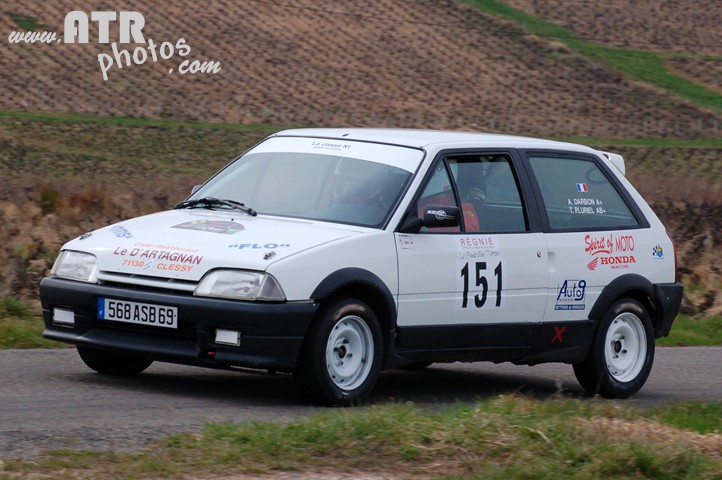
point(489, 193)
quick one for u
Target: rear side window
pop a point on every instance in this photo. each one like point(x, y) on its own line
point(578, 195)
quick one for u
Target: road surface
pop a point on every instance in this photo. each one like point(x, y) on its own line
point(49, 399)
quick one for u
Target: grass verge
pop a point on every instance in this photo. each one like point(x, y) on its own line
point(640, 65)
point(20, 327)
point(500, 438)
point(694, 332)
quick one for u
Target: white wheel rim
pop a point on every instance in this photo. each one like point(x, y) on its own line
point(349, 352)
point(625, 347)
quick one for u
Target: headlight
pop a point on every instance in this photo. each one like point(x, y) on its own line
point(75, 266)
point(240, 285)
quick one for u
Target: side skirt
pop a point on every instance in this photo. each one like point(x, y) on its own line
point(525, 344)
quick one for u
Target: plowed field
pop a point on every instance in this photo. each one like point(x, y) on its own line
point(384, 63)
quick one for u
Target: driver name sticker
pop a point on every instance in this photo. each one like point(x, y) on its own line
point(586, 206)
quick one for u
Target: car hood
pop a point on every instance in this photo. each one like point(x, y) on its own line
point(185, 244)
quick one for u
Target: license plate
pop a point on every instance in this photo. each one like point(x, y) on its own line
point(138, 313)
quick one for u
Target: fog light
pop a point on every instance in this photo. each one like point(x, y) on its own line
point(65, 317)
point(228, 337)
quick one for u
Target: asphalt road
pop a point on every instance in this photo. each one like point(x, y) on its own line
point(49, 399)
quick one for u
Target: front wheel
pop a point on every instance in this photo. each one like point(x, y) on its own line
point(112, 363)
point(622, 353)
point(341, 358)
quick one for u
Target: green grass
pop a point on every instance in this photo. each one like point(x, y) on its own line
point(694, 332)
point(499, 438)
point(20, 327)
point(694, 416)
point(26, 22)
point(639, 65)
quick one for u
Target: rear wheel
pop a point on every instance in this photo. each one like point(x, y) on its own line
point(112, 363)
point(622, 353)
point(341, 358)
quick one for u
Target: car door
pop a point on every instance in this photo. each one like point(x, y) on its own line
point(595, 233)
point(483, 282)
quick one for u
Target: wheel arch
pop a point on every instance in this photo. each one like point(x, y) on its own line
point(630, 285)
point(369, 288)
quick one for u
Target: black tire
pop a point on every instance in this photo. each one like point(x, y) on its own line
point(112, 363)
point(341, 356)
point(622, 352)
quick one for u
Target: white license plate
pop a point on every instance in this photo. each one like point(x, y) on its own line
point(138, 313)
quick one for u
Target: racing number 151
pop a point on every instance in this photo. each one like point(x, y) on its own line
point(480, 268)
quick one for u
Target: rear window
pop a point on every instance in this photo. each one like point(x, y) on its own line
point(578, 195)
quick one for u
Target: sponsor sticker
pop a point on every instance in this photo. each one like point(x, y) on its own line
point(120, 232)
point(259, 246)
point(613, 251)
point(571, 295)
point(406, 242)
point(213, 226)
point(149, 257)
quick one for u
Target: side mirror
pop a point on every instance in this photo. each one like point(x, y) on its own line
point(412, 224)
point(195, 188)
point(436, 216)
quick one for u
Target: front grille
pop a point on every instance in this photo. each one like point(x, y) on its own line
point(166, 285)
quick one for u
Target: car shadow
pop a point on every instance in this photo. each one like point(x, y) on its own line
point(435, 385)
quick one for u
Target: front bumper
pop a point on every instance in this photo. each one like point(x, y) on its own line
point(271, 333)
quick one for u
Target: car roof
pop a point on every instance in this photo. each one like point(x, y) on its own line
point(427, 138)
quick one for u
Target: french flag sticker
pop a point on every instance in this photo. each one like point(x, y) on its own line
point(582, 187)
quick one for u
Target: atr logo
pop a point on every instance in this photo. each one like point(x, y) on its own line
point(571, 295)
point(130, 24)
point(657, 252)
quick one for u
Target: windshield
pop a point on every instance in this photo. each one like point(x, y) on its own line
point(317, 180)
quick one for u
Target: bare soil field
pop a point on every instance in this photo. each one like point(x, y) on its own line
point(659, 25)
point(385, 63)
point(705, 71)
point(688, 34)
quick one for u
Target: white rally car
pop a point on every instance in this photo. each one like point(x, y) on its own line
point(337, 253)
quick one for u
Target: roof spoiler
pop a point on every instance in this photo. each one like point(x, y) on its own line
point(616, 159)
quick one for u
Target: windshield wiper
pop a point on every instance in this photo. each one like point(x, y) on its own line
point(210, 202)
